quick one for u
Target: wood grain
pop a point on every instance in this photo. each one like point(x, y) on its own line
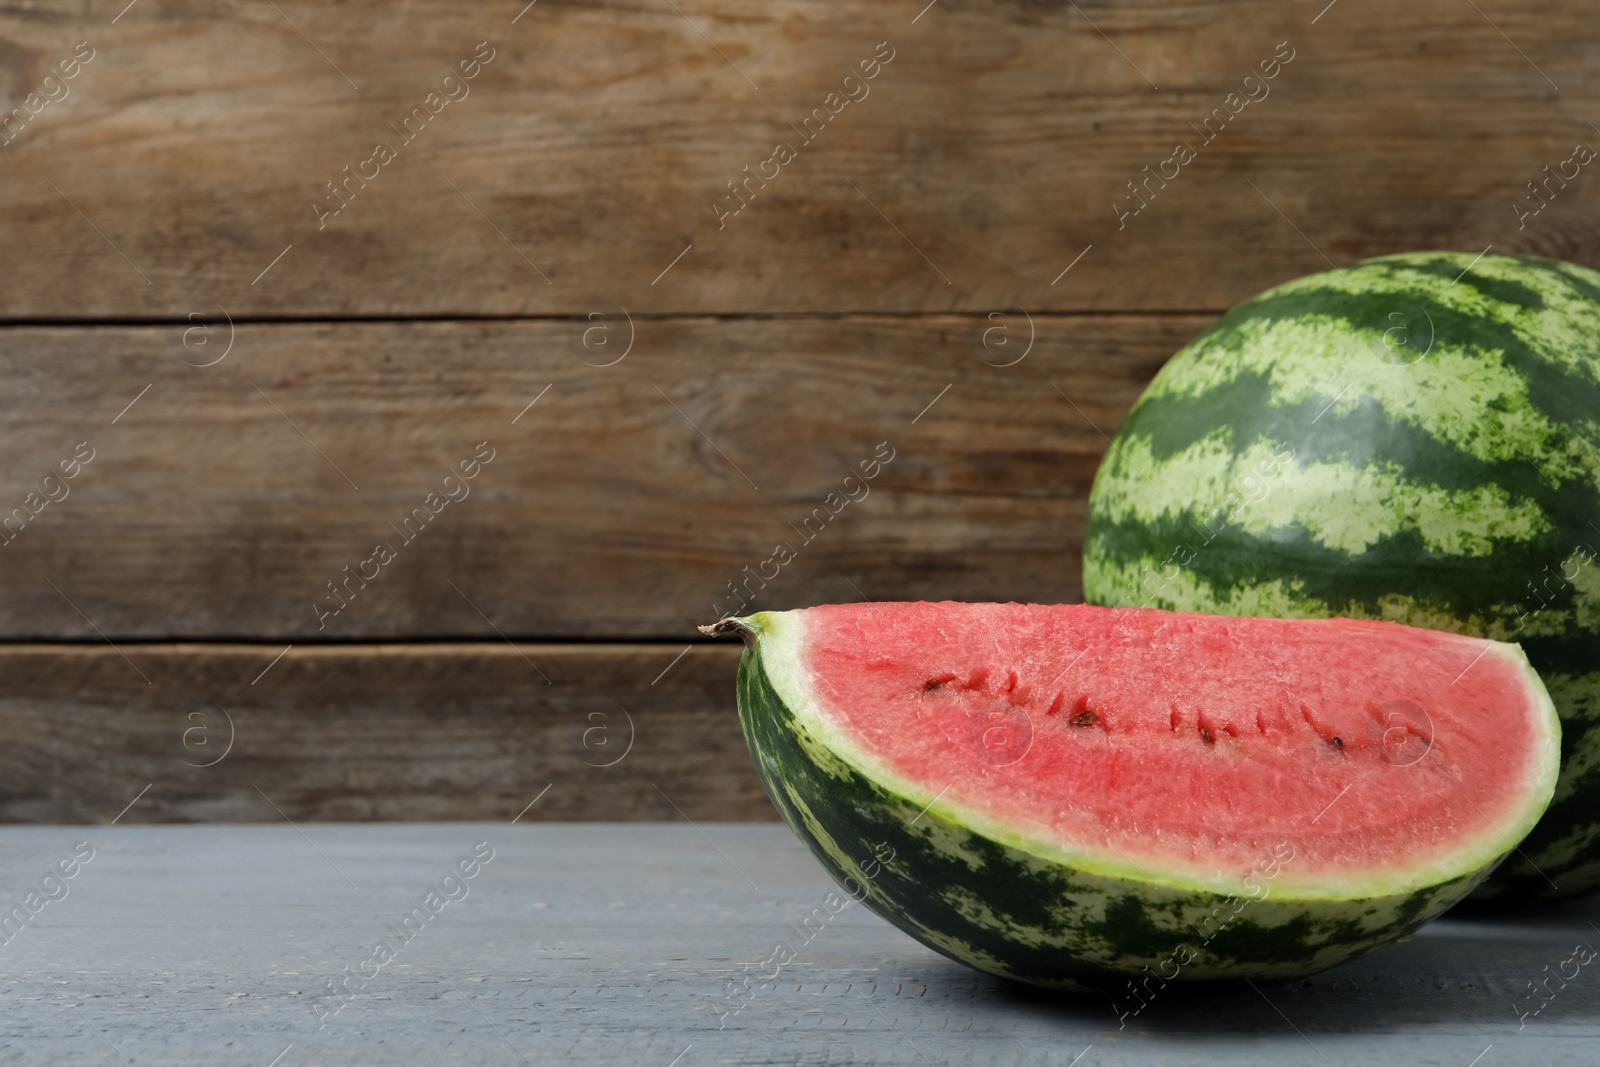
point(621, 944)
point(252, 399)
point(589, 152)
point(361, 732)
point(620, 505)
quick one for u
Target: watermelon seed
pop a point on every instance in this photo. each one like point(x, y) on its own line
point(1322, 729)
point(1209, 731)
point(1085, 718)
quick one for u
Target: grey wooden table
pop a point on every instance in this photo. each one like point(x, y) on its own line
point(594, 943)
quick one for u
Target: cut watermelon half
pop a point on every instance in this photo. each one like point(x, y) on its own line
point(1068, 794)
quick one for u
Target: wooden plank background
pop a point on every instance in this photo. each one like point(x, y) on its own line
point(941, 269)
point(461, 730)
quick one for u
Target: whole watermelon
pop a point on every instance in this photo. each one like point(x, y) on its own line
point(1415, 438)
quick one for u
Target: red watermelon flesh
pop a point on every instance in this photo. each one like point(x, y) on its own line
point(1188, 744)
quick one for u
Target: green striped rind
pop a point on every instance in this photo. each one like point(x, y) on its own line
point(1415, 438)
point(1021, 909)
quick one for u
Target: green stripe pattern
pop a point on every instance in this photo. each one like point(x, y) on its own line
point(1415, 438)
point(1015, 913)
